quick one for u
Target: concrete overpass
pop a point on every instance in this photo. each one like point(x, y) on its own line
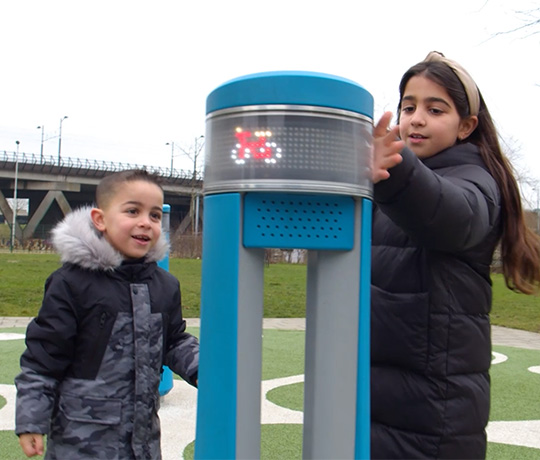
point(54, 188)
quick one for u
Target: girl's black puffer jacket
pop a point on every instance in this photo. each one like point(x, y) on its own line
point(436, 224)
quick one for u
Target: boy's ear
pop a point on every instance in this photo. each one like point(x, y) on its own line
point(97, 219)
point(467, 126)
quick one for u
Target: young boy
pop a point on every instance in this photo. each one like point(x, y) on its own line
point(110, 319)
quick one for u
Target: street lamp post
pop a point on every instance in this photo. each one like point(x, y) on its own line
point(42, 127)
point(172, 154)
point(14, 222)
point(60, 139)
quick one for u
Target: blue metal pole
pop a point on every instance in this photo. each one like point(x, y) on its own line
point(166, 382)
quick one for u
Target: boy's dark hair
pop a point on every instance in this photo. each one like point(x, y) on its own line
point(520, 247)
point(108, 186)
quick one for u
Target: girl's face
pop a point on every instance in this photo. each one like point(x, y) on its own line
point(429, 121)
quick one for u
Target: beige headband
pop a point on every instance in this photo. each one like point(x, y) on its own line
point(466, 80)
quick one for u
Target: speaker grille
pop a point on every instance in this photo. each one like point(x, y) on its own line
point(297, 221)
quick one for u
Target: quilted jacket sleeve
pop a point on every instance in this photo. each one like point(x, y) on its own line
point(447, 204)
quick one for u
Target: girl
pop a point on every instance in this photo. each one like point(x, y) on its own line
point(445, 197)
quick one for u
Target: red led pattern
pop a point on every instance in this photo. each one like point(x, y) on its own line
point(257, 148)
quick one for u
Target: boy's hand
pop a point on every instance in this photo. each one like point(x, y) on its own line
point(386, 148)
point(31, 444)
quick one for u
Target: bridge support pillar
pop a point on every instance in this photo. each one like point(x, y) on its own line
point(42, 209)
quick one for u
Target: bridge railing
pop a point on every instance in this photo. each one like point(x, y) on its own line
point(50, 164)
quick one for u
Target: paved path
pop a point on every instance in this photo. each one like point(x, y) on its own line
point(500, 335)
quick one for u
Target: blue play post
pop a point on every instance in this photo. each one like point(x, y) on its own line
point(288, 165)
point(166, 382)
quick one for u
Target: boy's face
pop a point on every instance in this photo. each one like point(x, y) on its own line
point(131, 220)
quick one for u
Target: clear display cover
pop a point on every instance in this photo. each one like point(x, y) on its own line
point(288, 148)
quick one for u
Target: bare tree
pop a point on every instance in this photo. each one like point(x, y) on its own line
point(529, 23)
point(526, 182)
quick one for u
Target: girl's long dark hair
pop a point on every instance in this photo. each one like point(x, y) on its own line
point(520, 246)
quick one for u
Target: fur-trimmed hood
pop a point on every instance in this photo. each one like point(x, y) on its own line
point(80, 243)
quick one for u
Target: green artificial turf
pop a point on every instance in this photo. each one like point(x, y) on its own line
point(278, 442)
point(506, 452)
point(9, 447)
point(516, 389)
point(514, 394)
point(289, 396)
point(283, 353)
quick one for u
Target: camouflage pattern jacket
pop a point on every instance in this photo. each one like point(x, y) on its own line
point(91, 370)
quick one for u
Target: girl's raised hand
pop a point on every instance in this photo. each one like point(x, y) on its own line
point(386, 148)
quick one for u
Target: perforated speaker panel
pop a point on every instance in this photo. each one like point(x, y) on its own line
point(298, 221)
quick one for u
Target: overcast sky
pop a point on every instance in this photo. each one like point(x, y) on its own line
point(132, 76)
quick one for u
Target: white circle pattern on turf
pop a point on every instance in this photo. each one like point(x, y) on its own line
point(178, 413)
point(498, 358)
point(11, 336)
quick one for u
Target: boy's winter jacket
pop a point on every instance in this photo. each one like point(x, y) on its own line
point(435, 227)
point(91, 370)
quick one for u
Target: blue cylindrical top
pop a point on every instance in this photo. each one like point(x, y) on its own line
point(292, 88)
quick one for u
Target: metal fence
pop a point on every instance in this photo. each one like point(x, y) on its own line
point(78, 166)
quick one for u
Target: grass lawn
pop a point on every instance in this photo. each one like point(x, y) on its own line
point(514, 395)
point(22, 276)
